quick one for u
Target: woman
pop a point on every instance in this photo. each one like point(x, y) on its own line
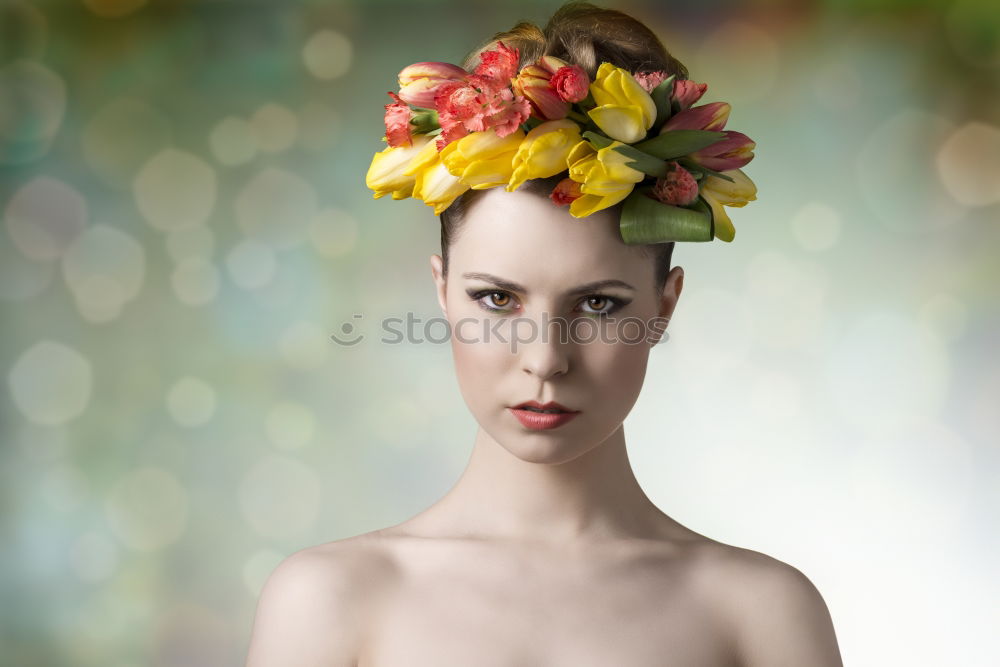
point(546, 551)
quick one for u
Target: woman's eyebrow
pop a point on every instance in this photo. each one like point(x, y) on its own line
point(579, 289)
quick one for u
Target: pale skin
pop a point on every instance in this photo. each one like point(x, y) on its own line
point(546, 551)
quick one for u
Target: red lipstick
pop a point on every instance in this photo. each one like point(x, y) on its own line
point(555, 416)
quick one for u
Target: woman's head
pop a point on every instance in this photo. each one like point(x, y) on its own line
point(548, 307)
point(581, 34)
point(513, 265)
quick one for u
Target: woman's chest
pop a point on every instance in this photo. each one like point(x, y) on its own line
point(494, 614)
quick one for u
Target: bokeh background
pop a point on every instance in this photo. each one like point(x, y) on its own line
point(185, 224)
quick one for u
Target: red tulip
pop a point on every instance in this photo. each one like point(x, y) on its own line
point(705, 117)
point(420, 81)
point(733, 152)
point(686, 92)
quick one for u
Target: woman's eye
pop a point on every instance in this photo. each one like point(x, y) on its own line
point(602, 305)
point(500, 300)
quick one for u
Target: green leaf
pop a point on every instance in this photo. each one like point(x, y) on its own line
point(693, 166)
point(598, 140)
point(675, 143)
point(661, 98)
point(647, 220)
point(643, 162)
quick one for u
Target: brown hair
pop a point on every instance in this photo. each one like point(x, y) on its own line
point(585, 35)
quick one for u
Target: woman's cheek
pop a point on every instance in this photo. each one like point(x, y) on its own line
point(622, 372)
point(477, 364)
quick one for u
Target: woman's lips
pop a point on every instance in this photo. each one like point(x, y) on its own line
point(540, 421)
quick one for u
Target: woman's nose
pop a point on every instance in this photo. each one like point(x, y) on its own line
point(546, 352)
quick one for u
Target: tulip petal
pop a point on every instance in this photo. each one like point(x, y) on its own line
point(723, 226)
point(623, 123)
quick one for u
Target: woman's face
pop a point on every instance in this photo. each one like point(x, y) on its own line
point(524, 328)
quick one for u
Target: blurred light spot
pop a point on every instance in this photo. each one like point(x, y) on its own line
point(191, 402)
point(258, 568)
point(50, 383)
point(195, 282)
point(407, 426)
point(251, 264)
point(193, 242)
point(887, 367)
point(319, 127)
point(147, 509)
point(327, 54)
point(189, 634)
point(175, 189)
point(333, 232)
point(93, 557)
point(897, 175)
point(232, 141)
point(713, 333)
point(43, 442)
point(276, 207)
point(121, 136)
point(974, 32)
point(21, 278)
point(304, 345)
point(969, 164)
point(274, 127)
point(44, 217)
point(104, 269)
point(104, 619)
point(32, 107)
point(838, 86)
point(65, 487)
point(742, 59)
point(25, 31)
point(816, 226)
point(914, 477)
point(788, 300)
point(945, 314)
point(290, 425)
point(775, 396)
point(280, 497)
point(433, 386)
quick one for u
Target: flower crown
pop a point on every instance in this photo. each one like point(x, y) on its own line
point(621, 137)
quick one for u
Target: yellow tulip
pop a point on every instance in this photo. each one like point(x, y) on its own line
point(604, 177)
point(624, 110)
point(385, 175)
point(482, 159)
point(433, 183)
point(718, 192)
point(544, 151)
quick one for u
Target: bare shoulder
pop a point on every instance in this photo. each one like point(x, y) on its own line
point(776, 614)
point(313, 607)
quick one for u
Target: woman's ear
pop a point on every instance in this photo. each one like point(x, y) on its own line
point(440, 284)
point(672, 287)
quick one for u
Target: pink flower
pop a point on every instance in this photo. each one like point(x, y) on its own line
point(705, 117)
point(566, 192)
point(677, 188)
point(478, 104)
point(686, 92)
point(650, 80)
point(499, 63)
point(733, 152)
point(397, 122)
point(551, 85)
point(418, 83)
point(571, 83)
